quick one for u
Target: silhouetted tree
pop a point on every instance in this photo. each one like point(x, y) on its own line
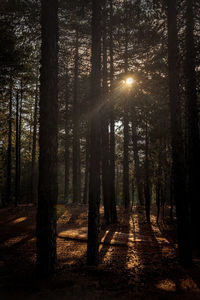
point(17, 152)
point(95, 140)
point(33, 159)
point(179, 179)
point(193, 143)
point(48, 187)
point(112, 122)
point(76, 117)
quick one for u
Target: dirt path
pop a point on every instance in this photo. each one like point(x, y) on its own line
point(136, 259)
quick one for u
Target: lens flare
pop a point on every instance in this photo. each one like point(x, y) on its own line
point(129, 81)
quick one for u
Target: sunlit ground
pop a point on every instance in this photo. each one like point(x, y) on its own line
point(134, 253)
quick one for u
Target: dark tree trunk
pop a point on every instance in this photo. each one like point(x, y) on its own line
point(147, 177)
point(33, 160)
point(30, 131)
point(104, 130)
point(112, 126)
point(117, 188)
point(67, 141)
point(9, 153)
point(158, 200)
point(85, 192)
point(95, 142)
point(126, 192)
point(158, 185)
point(2, 192)
point(136, 159)
point(132, 192)
point(171, 196)
point(193, 145)
point(48, 186)
point(20, 133)
point(179, 179)
point(76, 141)
point(17, 152)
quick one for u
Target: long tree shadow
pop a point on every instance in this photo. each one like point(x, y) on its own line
point(20, 224)
point(160, 271)
point(106, 235)
point(147, 253)
point(118, 238)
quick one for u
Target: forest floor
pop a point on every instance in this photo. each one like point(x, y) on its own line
point(137, 260)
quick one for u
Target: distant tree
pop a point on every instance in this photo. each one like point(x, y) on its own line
point(48, 186)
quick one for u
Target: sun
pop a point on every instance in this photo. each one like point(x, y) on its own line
point(129, 81)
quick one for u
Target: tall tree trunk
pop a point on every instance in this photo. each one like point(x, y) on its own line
point(33, 160)
point(2, 195)
point(48, 185)
point(9, 153)
point(112, 126)
point(95, 142)
point(171, 196)
point(85, 192)
point(20, 133)
point(67, 140)
point(17, 152)
point(104, 130)
point(30, 131)
point(147, 177)
point(136, 158)
point(158, 200)
point(193, 143)
point(76, 142)
point(179, 179)
point(126, 192)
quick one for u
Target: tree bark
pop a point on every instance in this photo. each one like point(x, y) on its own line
point(179, 179)
point(104, 130)
point(20, 134)
point(147, 177)
point(48, 186)
point(17, 152)
point(67, 140)
point(112, 126)
point(76, 141)
point(33, 160)
point(95, 142)
point(193, 143)
point(136, 159)
point(126, 192)
point(9, 151)
point(85, 192)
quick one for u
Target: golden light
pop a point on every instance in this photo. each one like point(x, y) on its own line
point(129, 81)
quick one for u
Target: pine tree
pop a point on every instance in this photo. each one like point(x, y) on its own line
point(48, 187)
point(95, 141)
point(179, 179)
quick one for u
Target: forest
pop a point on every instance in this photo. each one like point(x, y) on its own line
point(99, 149)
